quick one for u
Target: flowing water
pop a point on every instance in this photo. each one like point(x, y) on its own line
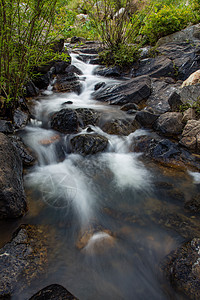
point(105, 209)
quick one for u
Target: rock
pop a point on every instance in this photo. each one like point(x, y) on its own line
point(189, 34)
point(23, 259)
point(120, 126)
point(182, 269)
point(169, 123)
point(185, 57)
point(189, 114)
point(26, 155)
point(174, 101)
point(157, 67)
point(129, 106)
point(67, 83)
point(20, 118)
point(164, 151)
point(67, 103)
point(60, 66)
point(194, 78)
point(6, 127)
point(73, 69)
point(190, 94)
point(132, 91)
point(65, 121)
point(146, 118)
point(86, 57)
point(31, 90)
point(76, 39)
point(12, 197)
point(86, 144)
point(53, 292)
point(87, 116)
point(193, 204)
point(99, 85)
point(42, 81)
point(58, 46)
point(191, 135)
point(107, 72)
point(160, 94)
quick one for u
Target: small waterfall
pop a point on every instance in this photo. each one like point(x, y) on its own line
point(68, 183)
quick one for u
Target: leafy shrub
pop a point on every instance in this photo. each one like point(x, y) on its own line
point(123, 55)
point(165, 21)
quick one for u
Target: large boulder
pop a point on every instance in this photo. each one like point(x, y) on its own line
point(189, 34)
point(161, 92)
point(23, 259)
point(65, 121)
point(194, 78)
point(68, 82)
point(53, 292)
point(25, 153)
point(185, 57)
point(131, 91)
point(164, 151)
point(182, 268)
point(170, 123)
point(157, 67)
point(86, 144)
point(12, 197)
point(191, 135)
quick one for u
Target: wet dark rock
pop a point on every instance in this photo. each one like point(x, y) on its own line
point(68, 83)
point(185, 56)
point(31, 90)
point(182, 268)
point(73, 69)
point(164, 151)
point(120, 126)
point(174, 101)
point(95, 61)
point(99, 85)
point(191, 135)
point(169, 123)
point(132, 91)
point(65, 121)
point(42, 81)
point(25, 153)
point(146, 118)
point(108, 72)
point(53, 292)
point(60, 66)
point(89, 50)
point(86, 144)
point(193, 204)
point(20, 118)
point(77, 39)
point(86, 57)
point(67, 103)
point(23, 259)
point(58, 46)
point(157, 67)
point(129, 106)
point(6, 127)
point(160, 93)
point(12, 197)
point(131, 112)
point(87, 116)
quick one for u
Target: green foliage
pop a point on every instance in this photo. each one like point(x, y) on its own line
point(123, 55)
point(164, 21)
point(195, 106)
point(25, 42)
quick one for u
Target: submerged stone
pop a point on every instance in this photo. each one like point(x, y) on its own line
point(53, 292)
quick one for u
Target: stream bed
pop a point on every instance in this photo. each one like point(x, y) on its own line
point(111, 212)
